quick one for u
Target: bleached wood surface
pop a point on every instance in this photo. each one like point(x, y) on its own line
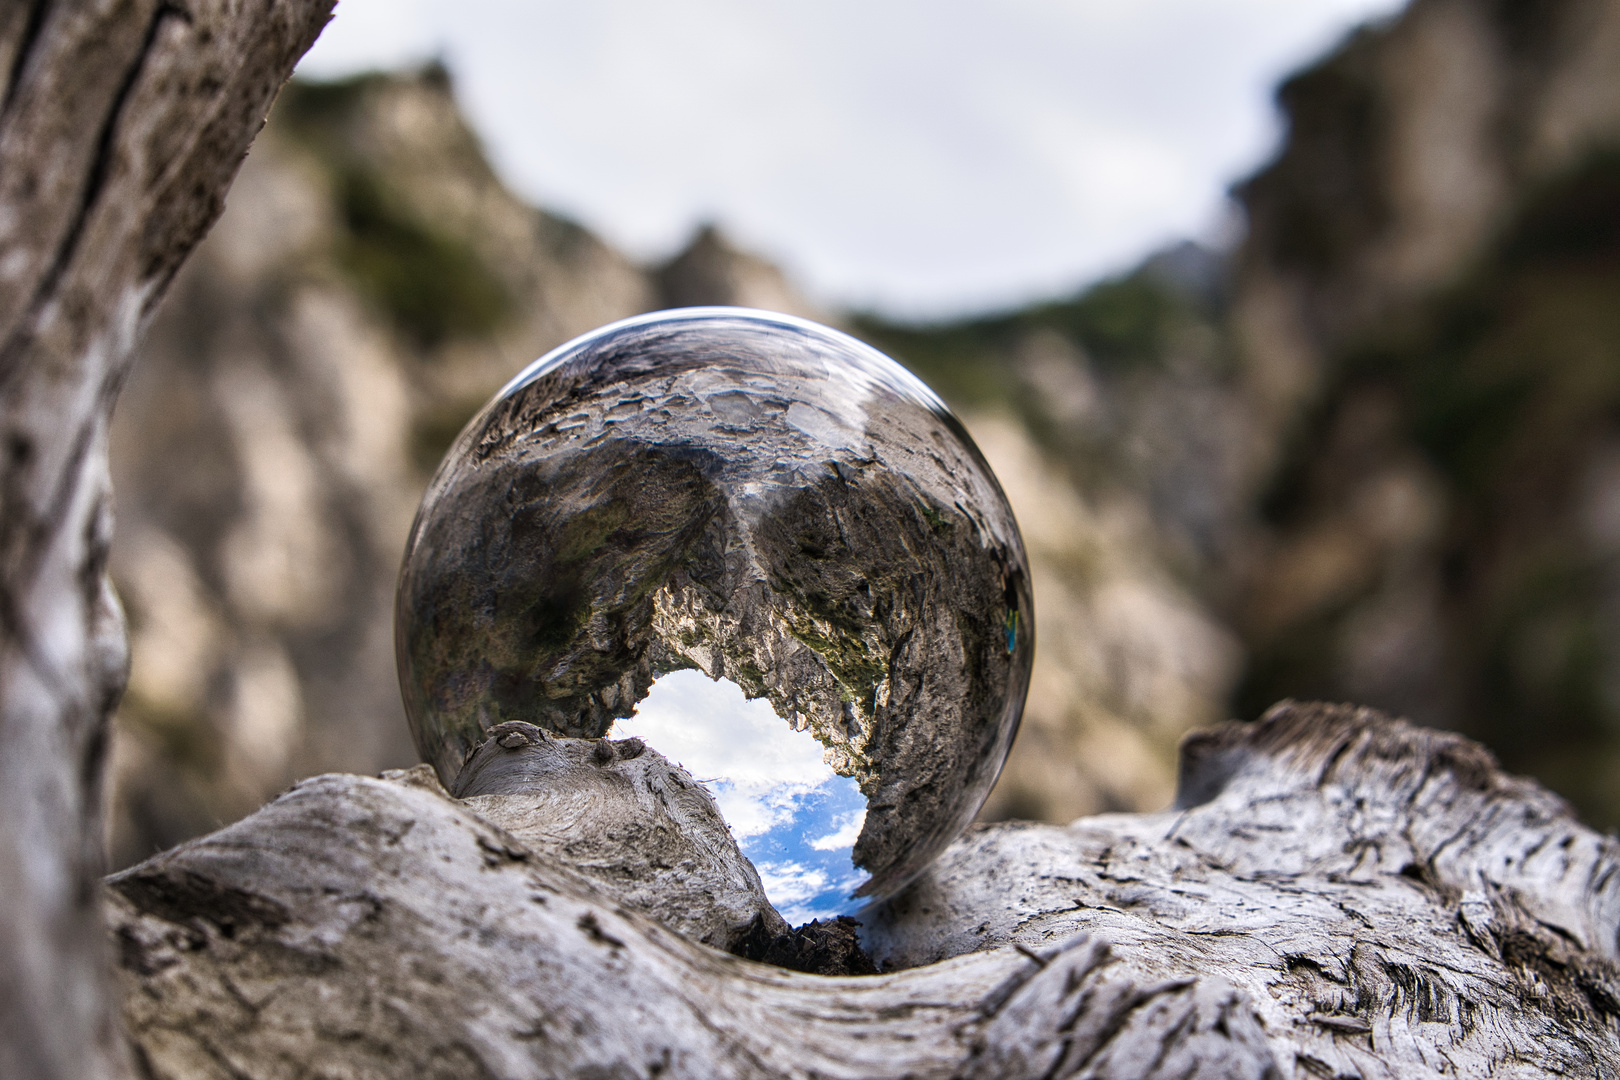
point(1339, 894)
point(122, 124)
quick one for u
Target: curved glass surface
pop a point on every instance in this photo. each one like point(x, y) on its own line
point(723, 494)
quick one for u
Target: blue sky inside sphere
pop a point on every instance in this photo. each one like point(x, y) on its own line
point(795, 819)
point(921, 158)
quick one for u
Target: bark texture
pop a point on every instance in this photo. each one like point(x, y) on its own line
point(121, 126)
point(1336, 894)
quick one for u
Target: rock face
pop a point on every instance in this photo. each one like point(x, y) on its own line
point(1118, 424)
point(1429, 300)
point(369, 285)
point(1374, 457)
point(712, 271)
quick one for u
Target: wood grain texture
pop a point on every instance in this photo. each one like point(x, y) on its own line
point(1338, 894)
point(379, 929)
point(121, 126)
point(1389, 901)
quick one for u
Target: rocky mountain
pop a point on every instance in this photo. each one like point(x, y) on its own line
point(1113, 422)
point(1373, 454)
point(369, 286)
point(1379, 446)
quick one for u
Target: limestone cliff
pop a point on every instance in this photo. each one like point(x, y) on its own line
point(370, 284)
point(1381, 446)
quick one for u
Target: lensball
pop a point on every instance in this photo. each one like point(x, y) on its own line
point(758, 544)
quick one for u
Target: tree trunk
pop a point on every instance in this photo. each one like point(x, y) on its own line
point(1335, 894)
point(122, 124)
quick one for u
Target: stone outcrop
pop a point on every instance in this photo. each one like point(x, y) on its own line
point(1374, 456)
point(1427, 306)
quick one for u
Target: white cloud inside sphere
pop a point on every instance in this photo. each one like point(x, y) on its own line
point(848, 830)
point(919, 156)
point(758, 767)
point(794, 817)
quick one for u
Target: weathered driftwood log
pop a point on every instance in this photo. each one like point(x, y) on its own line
point(121, 126)
point(1336, 894)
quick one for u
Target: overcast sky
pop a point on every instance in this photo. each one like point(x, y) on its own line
point(922, 157)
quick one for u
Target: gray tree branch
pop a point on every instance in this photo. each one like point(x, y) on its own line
point(121, 126)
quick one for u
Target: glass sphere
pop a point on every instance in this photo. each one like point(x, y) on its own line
point(725, 494)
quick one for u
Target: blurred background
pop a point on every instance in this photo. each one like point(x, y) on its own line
point(1291, 327)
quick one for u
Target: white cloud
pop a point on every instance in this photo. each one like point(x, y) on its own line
point(758, 767)
point(790, 883)
point(919, 154)
point(844, 836)
point(801, 893)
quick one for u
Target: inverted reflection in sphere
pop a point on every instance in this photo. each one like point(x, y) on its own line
point(795, 819)
point(765, 501)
